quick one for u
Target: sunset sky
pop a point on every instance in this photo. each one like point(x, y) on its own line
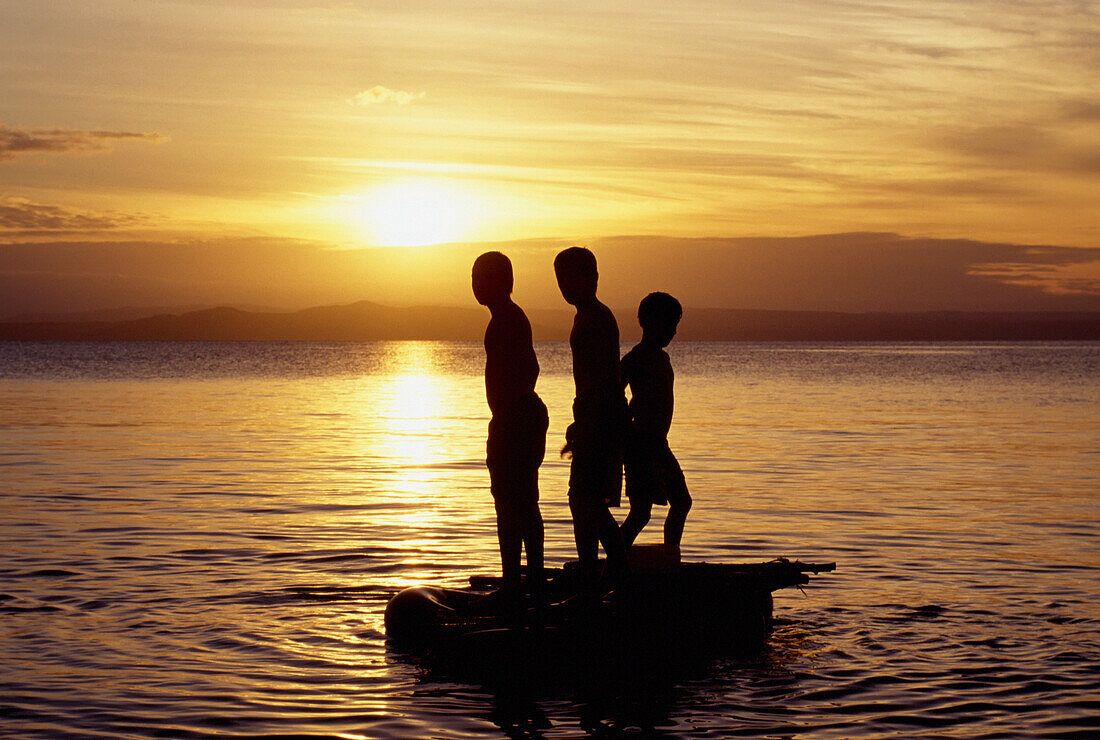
point(286, 153)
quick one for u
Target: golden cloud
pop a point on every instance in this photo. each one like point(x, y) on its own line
point(380, 94)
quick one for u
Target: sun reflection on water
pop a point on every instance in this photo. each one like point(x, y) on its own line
point(405, 417)
point(419, 437)
point(408, 414)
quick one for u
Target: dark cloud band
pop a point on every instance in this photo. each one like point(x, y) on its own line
point(14, 141)
point(27, 217)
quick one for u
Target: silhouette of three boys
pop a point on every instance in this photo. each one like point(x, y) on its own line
point(605, 429)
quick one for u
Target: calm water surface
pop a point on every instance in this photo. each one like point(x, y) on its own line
point(200, 538)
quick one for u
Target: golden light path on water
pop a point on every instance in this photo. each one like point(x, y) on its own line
point(414, 438)
point(406, 410)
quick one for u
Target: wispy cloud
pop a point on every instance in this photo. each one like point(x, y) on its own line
point(22, 215)
point(941, 118)
point(14, 141)
point(1082, 111)
point(1025, 146)
point(379, 94)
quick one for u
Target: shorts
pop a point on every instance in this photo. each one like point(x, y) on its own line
point(596, 469)
point(652, 471)
point(515, 450)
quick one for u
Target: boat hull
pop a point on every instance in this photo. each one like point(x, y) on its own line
point(695, 607)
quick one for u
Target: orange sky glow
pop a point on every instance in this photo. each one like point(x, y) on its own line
point(137, 130)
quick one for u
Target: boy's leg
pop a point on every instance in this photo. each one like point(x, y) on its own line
point(585, 528)
point(510, 537)
point(679, 504)
point(636, 520)
point(612, 540)
point(586, 535)
point(533, 534)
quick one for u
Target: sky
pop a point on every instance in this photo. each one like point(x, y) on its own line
point(851, 155)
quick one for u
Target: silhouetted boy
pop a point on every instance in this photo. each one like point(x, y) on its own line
point(517, 431)
point(653, 476)
point(599, 415)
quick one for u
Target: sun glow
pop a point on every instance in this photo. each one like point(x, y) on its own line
point(415, 212)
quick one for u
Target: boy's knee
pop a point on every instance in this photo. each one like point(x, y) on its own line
point(529, 510)
point(579, 499)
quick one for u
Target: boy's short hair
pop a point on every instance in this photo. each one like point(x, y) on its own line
point(576, 261)
point(656, 307)
point(496, 266)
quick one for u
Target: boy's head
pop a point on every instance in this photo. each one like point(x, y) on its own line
point(492, 278)
point(575, 269)
point(658, 314)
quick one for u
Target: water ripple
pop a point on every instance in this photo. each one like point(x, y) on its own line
point(192, 551)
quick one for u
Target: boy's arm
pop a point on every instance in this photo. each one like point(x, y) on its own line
point(626, 369)
point(668, 380)
point(494, 366)
point(595, 344)
point(511, 367)
point(650, 377)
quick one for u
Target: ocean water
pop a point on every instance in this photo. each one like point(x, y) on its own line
point(199, 539)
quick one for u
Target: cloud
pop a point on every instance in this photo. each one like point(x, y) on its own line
point(1032, 147)
point(1052, 270)
point(379, 94)
point(1081, 111)
point(15, 141)
point(26, 217)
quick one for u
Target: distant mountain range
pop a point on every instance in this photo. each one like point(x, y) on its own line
point(366, 321)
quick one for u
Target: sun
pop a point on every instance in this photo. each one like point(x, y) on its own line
point(415, 212)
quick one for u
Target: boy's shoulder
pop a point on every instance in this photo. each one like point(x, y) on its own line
point(635, 353)
point(509, 322)
point(510, 313)
point(596, 313)
point(641, 355)
point(608, 316)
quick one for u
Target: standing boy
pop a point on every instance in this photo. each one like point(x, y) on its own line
point(653, 476)
point(599, 415)
point(517, 430)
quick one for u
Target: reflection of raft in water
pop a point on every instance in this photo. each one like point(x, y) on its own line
point(667, 607)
